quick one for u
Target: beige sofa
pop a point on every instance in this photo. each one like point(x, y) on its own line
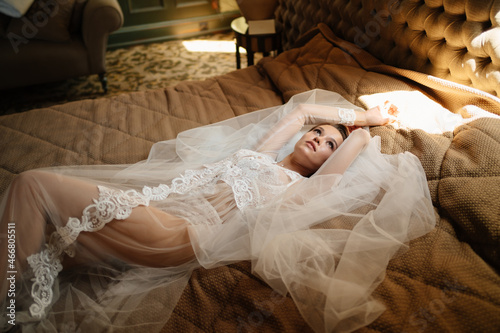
point(57, 40)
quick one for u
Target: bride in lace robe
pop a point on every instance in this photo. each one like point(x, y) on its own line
point(318, 217)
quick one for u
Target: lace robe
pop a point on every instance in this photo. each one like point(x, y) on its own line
point(209, 195)
point(326, 240)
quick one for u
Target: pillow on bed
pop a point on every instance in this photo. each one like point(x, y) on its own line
point(45, 20)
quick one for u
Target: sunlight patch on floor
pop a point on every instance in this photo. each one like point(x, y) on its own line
point(215, 46)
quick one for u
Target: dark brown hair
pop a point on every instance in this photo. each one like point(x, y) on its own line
point(344, 131)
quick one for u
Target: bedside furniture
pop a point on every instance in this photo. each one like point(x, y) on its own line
point(265, 43)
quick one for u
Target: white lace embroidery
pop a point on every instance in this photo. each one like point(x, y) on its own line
point(46, 265)
point(347, 116)
point(253, 178)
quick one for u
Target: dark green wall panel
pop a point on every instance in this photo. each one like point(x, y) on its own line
point(157, 20)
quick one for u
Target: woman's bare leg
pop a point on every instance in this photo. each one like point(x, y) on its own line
point(148, 236)
point(33, 198)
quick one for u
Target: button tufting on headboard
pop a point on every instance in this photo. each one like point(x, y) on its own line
point(457, 40)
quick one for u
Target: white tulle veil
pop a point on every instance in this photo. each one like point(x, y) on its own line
point(328, 247)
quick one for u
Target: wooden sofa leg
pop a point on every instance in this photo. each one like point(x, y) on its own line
point(104, 82)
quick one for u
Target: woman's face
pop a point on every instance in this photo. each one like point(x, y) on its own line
point(314, 147)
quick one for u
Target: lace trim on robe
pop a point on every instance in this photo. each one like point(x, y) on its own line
point(46, 265)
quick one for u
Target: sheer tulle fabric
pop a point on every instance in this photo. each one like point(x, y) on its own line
point(326, 240)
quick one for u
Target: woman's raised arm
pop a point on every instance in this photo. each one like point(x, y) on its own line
point(310, 114)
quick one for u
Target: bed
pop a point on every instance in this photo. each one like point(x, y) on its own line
point(441, 53)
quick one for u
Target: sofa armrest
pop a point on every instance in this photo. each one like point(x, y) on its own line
point(100, 18)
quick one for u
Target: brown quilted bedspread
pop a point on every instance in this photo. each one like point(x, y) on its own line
point(447, 281)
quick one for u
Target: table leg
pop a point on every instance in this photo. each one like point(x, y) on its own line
point(238, 60)
point(249, 58)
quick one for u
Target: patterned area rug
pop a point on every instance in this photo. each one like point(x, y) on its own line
point(135, 68)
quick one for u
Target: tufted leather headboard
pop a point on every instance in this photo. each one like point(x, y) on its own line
point(457, 40)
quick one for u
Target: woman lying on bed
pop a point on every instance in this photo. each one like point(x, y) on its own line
point(319, 216)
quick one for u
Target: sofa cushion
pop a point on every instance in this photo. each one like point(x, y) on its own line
point(47, 20)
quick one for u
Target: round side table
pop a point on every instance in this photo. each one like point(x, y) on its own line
point(265, 43)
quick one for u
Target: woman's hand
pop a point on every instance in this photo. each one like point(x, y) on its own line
point(382, 114)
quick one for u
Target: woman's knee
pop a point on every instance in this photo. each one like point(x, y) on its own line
point(34, 180)
point(30, 185)
point(28, 178)
point(24, 183)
